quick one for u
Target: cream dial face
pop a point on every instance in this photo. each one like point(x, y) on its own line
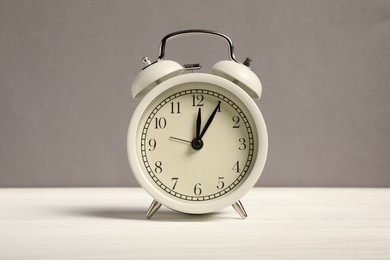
point(196, 142)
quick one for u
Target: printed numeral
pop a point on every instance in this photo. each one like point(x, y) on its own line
point(242, 144)
point(197, 100)
point(221, 184)
point(236, 121)
point(160, 123)
point(236, 167)
point(174, 182)
point(158, 168)
point(175, 107)
point(152, 144)
point(197, 189)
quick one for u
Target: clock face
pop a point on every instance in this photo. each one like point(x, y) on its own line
point(196, 142)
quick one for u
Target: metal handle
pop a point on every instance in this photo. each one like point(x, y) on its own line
point(192, 32)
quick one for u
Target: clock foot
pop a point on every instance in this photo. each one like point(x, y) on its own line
point(153, 208)
point(240, 209)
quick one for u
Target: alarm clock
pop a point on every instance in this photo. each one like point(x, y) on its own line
point(197, 142)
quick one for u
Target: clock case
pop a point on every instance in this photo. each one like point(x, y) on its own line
point(166, 74)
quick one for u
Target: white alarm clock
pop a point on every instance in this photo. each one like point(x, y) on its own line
point(197, 142)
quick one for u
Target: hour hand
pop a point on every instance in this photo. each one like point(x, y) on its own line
point(197, 143)
point(198, 123)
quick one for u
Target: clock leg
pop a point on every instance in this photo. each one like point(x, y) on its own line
point(153, 208)
point(240, 209)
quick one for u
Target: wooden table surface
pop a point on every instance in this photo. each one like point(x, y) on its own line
point(109, 223)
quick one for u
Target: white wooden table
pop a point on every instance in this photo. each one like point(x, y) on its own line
point(109, 223)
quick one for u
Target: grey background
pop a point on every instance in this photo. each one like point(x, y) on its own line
point(66, 69)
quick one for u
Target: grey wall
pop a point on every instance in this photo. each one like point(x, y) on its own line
point(66, 68)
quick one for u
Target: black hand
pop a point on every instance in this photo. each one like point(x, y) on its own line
point(197, 143)
point(208, 123)
point(198, 123)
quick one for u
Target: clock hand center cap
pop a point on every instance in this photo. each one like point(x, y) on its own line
point(197, 144)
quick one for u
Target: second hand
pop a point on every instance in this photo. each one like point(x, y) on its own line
point(180, 140)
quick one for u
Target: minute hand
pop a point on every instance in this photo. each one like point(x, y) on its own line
point(208, 123)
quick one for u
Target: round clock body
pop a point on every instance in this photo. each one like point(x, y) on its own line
point(183, 171)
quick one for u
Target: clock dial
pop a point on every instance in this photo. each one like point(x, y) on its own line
point(197, 142)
